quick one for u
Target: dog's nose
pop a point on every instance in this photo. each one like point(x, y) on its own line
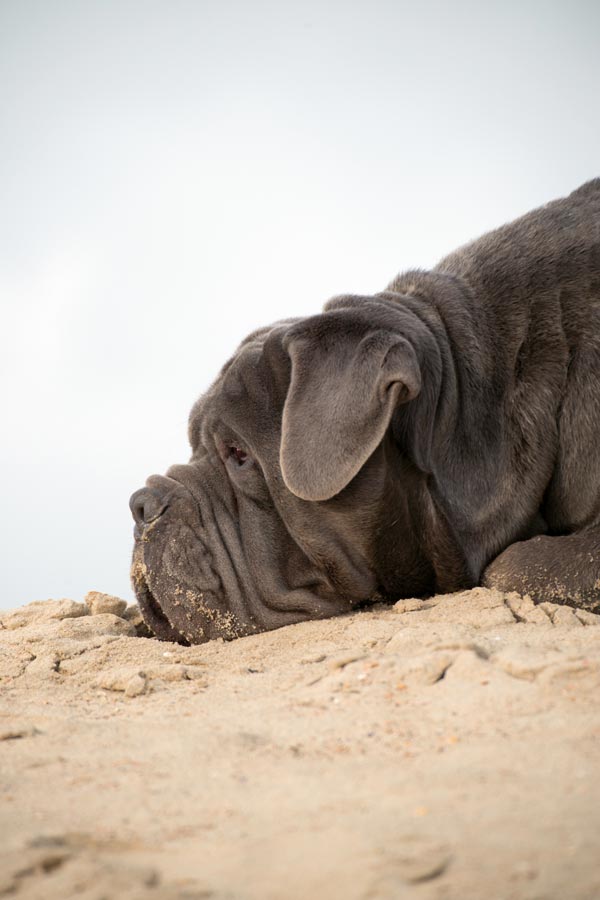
point(146, 505)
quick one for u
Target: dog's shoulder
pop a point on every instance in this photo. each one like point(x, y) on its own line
point(554, 245)
point(589, 189)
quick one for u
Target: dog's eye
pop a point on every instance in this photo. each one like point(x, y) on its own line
point(239, 456)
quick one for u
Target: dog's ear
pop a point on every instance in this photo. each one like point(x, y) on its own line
point(345, 385)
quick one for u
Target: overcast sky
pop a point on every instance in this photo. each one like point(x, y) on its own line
point(174, 174)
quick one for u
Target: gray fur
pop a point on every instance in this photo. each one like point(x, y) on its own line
point(397, 444)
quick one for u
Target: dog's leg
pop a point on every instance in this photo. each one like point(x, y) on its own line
point(559, 569)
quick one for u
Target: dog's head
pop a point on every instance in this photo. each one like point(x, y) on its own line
point(309, 461)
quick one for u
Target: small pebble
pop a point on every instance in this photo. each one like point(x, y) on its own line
point(136, 685)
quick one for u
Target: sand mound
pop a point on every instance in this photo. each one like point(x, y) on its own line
point(440, 749)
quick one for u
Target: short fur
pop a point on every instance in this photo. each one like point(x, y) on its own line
point(396, 445)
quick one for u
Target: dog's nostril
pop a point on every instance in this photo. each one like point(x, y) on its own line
point(145, 506)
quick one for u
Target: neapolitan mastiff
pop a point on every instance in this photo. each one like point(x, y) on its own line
point(395, 446)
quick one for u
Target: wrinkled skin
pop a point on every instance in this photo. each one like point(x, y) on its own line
point(394, 445)
point(235, 551)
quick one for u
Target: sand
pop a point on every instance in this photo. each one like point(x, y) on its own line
point(439, 749)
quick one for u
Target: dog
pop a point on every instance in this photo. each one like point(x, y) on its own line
point(441, 434)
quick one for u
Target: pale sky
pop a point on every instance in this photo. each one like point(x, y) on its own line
point(174, 174)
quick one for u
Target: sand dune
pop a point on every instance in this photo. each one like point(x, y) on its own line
point(440, 749)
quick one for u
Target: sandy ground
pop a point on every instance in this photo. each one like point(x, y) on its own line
point(439, 749)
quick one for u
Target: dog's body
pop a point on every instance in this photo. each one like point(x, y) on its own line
point(396, 444)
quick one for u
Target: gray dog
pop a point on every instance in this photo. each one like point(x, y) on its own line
point(395, 445)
